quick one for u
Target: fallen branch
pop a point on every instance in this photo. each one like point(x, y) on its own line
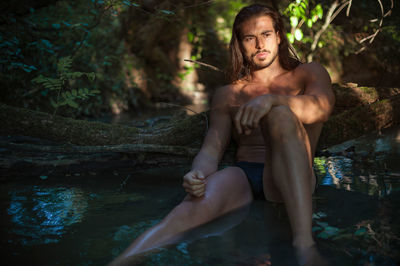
point(358, 110)
point(203, 64)
point(371, 37)
point(123, 148)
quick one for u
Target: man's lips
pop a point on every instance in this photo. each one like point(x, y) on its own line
point(264, 54)
point(261, 54)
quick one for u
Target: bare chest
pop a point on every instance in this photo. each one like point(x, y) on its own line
point(287, 85)
point(246, 92)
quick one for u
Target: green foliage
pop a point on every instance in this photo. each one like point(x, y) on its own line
point(300, 13)
point(325, 231)
point(319, 165)
point(224, 16)
point(66, 95)
point(45, 44)
point(114, 39)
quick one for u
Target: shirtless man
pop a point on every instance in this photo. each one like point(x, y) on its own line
point(274, 108)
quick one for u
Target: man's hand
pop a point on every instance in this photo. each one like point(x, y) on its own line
point(249, 114)
point(194, 183)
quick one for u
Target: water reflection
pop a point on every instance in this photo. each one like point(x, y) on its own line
point(368, 164)
point(344, 173)
point(41, 215)
point(93, 221)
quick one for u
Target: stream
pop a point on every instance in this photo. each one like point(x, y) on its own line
point(89, 217)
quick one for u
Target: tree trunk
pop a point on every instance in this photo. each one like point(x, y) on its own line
point(358, 110)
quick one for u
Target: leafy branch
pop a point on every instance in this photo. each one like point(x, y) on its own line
point(372, 36)
point(66, 95)
point(299, 13)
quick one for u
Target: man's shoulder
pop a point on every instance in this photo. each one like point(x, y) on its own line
point(315, 77)
point(227, 90)
point(232, 87)
point(225, 96)
point(310, 70)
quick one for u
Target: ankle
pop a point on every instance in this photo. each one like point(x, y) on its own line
point(303, 242)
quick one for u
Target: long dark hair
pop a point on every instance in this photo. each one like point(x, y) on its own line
point(238, 67)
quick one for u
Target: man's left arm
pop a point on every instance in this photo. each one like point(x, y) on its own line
point(317, 101)
point(313, 106)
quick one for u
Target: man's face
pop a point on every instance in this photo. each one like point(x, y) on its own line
point(260, 42)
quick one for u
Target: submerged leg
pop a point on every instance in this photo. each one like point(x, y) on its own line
point(290, 176)
point(193, 211)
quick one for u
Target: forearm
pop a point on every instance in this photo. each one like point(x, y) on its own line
point(205, 163)
point(309, 109)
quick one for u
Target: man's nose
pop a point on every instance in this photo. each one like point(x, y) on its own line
point(259, 43)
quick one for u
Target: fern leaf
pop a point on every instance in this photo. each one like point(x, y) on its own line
point(68, 95)
point(53, 103)
point(64, 64)
point(52, 84)
point(91, 76)
point(72, 103)
point(74, 75)
point(39, 79)
point(62, 103)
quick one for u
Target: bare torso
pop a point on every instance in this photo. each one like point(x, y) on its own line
point(251, 147)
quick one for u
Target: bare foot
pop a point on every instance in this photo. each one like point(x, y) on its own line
point(310, 257)
point(263, 260)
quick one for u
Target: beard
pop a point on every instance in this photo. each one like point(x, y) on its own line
point(255, 64)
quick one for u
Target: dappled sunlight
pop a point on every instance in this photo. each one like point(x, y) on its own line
point(75, 191)
point(341, 173)
point(367, 164)
point(43, 215)
point(338, 171)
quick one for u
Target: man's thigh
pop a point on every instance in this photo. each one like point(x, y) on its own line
point(271, 190)
point(226, 190)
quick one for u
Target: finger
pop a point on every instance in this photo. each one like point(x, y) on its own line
point(201, 189)
point(237, 120)
point(196, 187)
point(195, 192)
point(188, 188)
point(250, 119)
point(249, 123)
point(245, 117)
point(247, 131)
point(199, 174)
point(257, 118)
point(187, 184)
point(190, 179)
point(198, 193)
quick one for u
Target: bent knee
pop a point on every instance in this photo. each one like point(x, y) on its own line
point(280, 113)
point(280, 120)
point(225, 190)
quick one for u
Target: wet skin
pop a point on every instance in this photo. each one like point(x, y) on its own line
point(275, 116)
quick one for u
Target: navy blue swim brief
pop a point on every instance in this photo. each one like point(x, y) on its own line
point(254, 173)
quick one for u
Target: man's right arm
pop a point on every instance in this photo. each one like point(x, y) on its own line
point(214, 144)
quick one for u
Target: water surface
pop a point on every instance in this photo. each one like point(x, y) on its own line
point(88, 218)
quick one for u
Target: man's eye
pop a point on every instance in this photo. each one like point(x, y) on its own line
point(266, 34)
point(247, 39)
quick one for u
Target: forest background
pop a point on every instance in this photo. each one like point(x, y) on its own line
point(92, 59)
point(89, 58)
